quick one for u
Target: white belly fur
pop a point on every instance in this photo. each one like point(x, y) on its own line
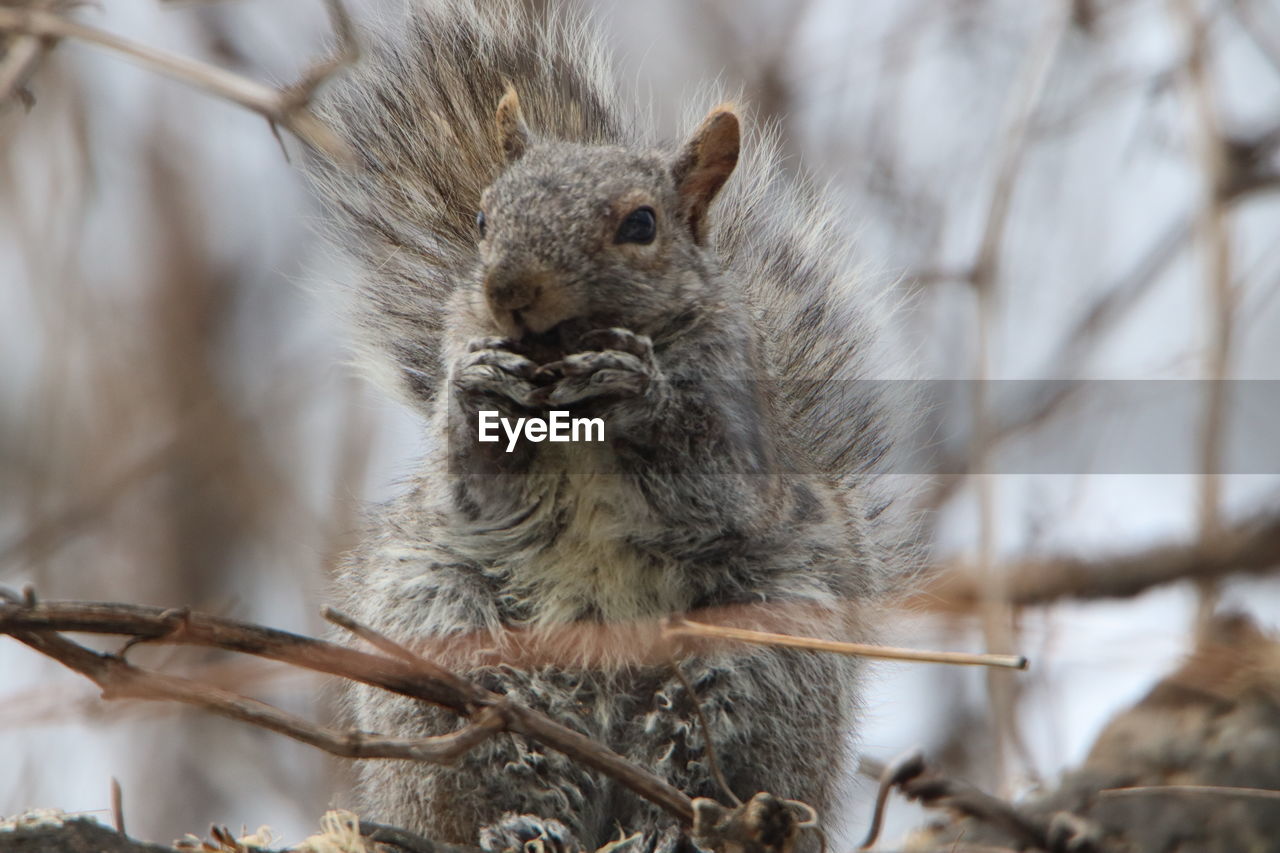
point(588, 566)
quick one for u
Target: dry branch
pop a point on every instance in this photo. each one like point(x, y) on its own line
point(685, 629)
point(37, 26)
point(36, 623)
point(121, 680)
point(911, 776)
point(1196, 790)
point(397, 669)
point(20, 59)
point(1250, 547)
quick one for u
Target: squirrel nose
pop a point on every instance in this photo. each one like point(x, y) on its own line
point(510, 294)
point(509, 290)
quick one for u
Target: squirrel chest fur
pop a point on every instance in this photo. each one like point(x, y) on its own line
point(524, 247)
point(579, 558)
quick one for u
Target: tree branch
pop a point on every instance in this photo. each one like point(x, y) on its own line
point(286, 107)
point(32, 622)
point(1250, 547)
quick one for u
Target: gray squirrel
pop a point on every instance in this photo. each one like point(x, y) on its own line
point(524, 244)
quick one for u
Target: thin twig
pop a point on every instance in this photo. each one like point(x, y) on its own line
point(712, 761)
point(1212, 790)
point(911, 775)
point(685, 628)
point(998, 626)
point(1211, 150)
point(388, 646)
point(906, 766)
point(117, 806)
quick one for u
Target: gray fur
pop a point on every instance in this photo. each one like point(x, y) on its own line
point(740, 470)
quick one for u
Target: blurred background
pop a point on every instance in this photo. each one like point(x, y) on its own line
point(1060, 190)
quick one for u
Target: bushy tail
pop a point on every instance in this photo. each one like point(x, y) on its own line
point(824, 319)
point(418, 109)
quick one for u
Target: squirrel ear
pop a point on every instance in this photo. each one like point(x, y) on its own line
point(512, 130)
point(705, 164)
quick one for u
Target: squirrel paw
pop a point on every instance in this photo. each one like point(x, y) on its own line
point(526, 833)
point(492, 368)
point(616, 363)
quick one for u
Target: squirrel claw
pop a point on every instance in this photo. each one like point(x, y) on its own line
point(497, 372)
point(550, 372)
point(507, 362)
point(600, 383)
point(586, 363)
point(617, 363)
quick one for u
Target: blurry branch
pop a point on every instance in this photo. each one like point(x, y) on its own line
point(41, 704)
point(1249, 164)
point(911, 776)
point(34, 624)
point(287, 107)
point(1248, 168)
point(1023, 104)
point(65, 523)
point(997, 616)
point(1249, 172)
point(763, 68)
point(1210, 790)
point(1211, 150)
point(21, 57)
point(949, 474)
point(1262, 33)
point(1251, 547)
point(119, 679)
point(59, 526)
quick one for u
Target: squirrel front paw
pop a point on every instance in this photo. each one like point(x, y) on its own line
point(613, 363)
point(526, 833)
point(493, 368)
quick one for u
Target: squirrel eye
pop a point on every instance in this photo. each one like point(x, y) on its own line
point(480, 222)
point(640, 226)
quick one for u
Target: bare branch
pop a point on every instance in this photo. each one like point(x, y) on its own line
point(286, 108)
point(1197, 790)
point(21, 57)
point(1211, 150)
point(1250, 547)
point(121, 680)
point(917, 781)
point(705, 726)
point(25, 619)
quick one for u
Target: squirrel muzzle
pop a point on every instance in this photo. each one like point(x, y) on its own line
point(525, 300)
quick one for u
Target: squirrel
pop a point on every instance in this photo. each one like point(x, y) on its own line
point(522, 244)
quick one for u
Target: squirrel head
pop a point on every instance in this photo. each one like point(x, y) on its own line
point(598, 235)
